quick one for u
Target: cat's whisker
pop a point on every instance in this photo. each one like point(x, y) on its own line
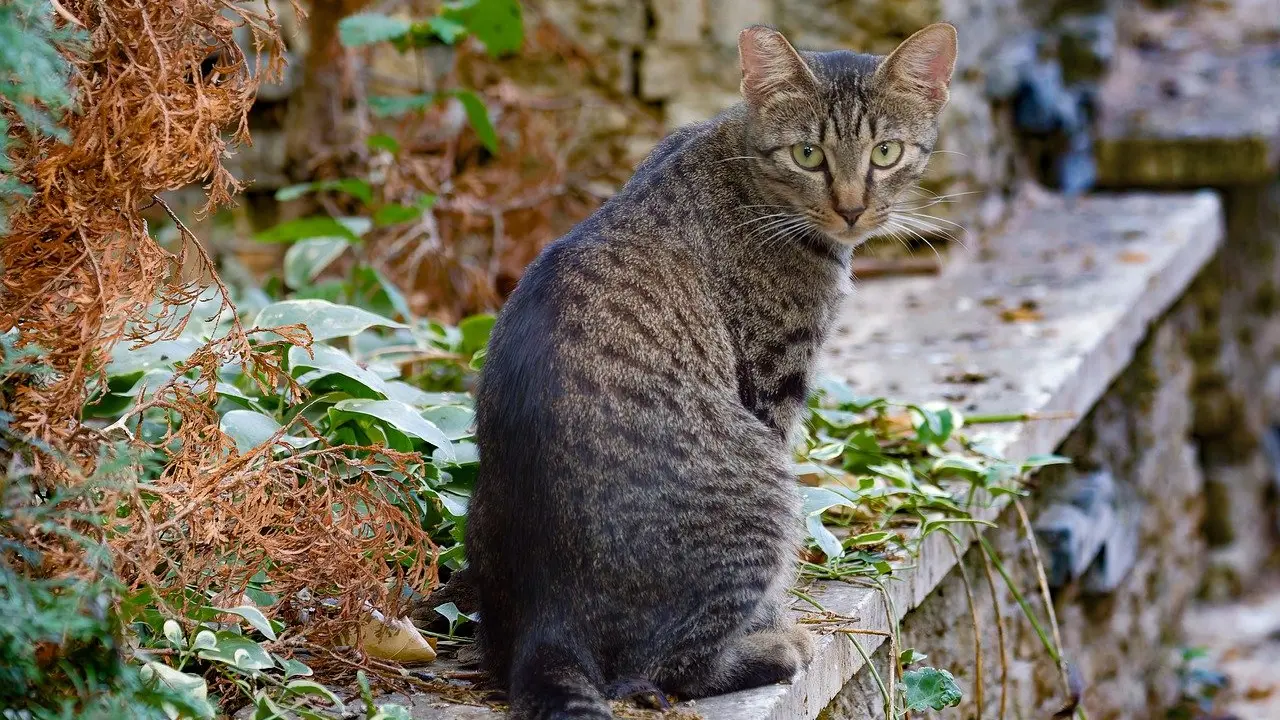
point(948, 152)
point(924, 225)
point(922, 216)
point(742, 157)
point(921, 238)
point(754, 220)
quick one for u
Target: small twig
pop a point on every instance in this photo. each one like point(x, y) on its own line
point(1004, 652)
point(1017, 417)
point(973, 617)
point(1047, 598)
point(66, 14)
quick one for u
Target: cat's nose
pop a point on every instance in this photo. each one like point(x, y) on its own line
point(851, 215)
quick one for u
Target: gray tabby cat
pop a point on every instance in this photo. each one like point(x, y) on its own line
point(635, 522)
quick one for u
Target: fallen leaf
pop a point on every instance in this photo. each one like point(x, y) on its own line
point(396, 640)
point(1259, 693)
point(1021, 313)
point(1133, 256)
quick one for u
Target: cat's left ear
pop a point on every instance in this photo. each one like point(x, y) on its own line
point(923, 63)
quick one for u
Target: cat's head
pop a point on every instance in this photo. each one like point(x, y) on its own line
point(840, 135)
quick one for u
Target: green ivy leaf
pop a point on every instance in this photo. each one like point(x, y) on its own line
point(238, 652)
point(1038, 461)
point(911, 656)
point(391, 711)
point(930, 689)
point(254, 617)
point(449, 31)
point(386, 106)
point(307, 227)
point(478, 116)
point(354, 187)
point(368, 28)
point(192, 688)
point(311, 687)
point(496, 23)
point(399, 416)
point(293, 668)
point(324, 319)
point(475, 332)
point(382, 141)
point(127, 360)
point(329, 360)
point(250, 429)
point(306, 259)
point(453, 420)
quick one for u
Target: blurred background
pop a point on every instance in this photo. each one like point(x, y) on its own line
point(578, 91)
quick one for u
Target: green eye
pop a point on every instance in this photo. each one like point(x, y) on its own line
point(807, 155)
point(886, 154)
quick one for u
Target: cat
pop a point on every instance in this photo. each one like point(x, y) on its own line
point(635, 522)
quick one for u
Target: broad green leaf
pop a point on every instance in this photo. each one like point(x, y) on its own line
point(465, 452)
point(369, 28)
point(238, 651)
point(293, 668)
point(205, 640)
point(837, 419)
point(311, 687)
point(477, 360)
point(449, 31)
point(899, 473)
point(266, 709)
point(383, 141)
point(306, 259)
point(254, 617)
point(958, 464)
point(394, 213)
point(930, 689)
point(826, 540)
point(1038, 461)
point(354, 187)
point(329, 360)
point(165, 354)
point(173, 633)
point(871, 538)
point(307, 227)
point(911, 656)
point(451, 613)
point(407, 394)
point(324, 319)
point(478, 116)
point(192, 688)
point(391, 711)
point(496, 23)
point(826, 451)
point(396, 105)
point(818, 500)
point(400, 416)
point(453, 420)
point(250, 429)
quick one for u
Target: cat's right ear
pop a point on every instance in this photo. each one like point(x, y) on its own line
point(770, 65)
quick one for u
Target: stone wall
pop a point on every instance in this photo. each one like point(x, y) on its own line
point(1118, 624)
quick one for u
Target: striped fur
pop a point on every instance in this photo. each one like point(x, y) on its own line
point(635, 521)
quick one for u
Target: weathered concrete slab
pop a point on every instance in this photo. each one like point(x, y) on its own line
point(1190, 119)
point(1049, 318)
point(1042, 323)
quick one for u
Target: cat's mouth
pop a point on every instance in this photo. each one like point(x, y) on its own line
point(852, 234)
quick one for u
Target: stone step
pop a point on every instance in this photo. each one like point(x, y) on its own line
point(1181, 119)
point(1084, 283)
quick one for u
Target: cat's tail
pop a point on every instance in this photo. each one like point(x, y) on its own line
point(549, 681)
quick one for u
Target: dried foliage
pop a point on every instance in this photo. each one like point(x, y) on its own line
point(79, 264)
point(496, 211)
point(82, 274)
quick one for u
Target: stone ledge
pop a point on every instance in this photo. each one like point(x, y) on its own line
point(1190, 119)
point(1096, 275)
point(1093, 277)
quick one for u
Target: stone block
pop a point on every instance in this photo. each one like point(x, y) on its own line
point(727, 18)
point(679, 22)
point(1190, 119)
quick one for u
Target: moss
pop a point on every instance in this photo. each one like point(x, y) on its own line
point(1266, 301)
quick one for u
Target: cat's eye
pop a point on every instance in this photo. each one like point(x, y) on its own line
point(807, 155)
point(886, 154)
